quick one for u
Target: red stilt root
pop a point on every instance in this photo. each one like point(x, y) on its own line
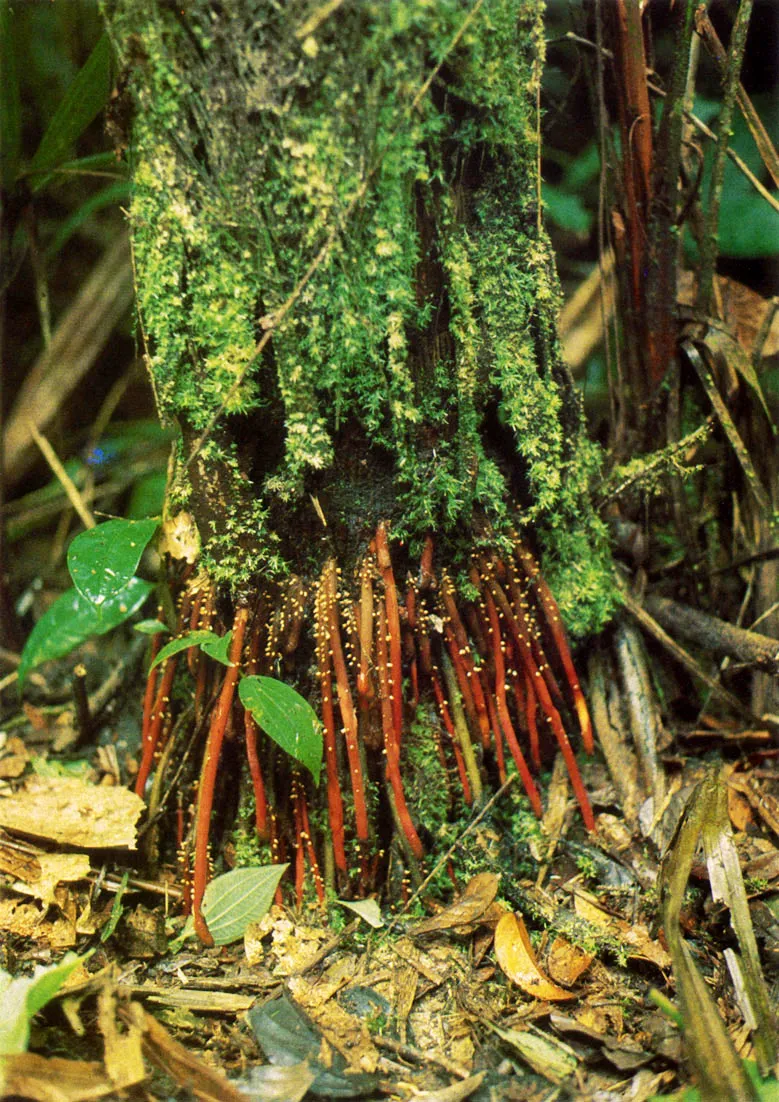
point(209, 772)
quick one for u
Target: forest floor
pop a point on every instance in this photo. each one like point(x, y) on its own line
point(547, 974)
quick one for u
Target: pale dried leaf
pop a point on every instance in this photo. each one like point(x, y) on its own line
point(52, 1079)
point(71, 812)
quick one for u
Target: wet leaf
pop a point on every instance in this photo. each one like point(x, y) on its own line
point(285, 717)
point(72, 619)
point(233, 901)
point(102, 560)
point(515, 955)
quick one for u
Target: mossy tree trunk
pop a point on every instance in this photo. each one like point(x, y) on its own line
point(348, 304)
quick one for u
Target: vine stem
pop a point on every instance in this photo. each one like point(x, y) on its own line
point(210, 768)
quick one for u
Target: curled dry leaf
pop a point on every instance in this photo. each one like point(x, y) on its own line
point(516, 957)
point(472, 905)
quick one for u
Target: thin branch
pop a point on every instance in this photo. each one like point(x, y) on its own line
point(709, 247)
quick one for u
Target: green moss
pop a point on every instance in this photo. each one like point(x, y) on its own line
point(432, 303)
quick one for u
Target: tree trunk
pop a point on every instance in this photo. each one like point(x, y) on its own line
point(348, 304)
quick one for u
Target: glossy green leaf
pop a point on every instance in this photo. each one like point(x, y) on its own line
point(285, 717)
point(72, 619)
point(102, 560)
point(184, 642)
point(10, 107)
point(218, 648)
point(233, 901)
point(23, 997)
point(84, 99)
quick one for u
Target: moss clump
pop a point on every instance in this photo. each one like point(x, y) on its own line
point(270, 136)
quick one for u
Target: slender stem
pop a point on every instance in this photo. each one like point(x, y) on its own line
point(460, 725)
point(210, 768)
point(393, 627)
point(449, 726)
point(310, 849)
point(503, 712)
point(551, 612)
point(159, 711)
point(463, 659)
point(709, 247)
point(330, 608)
point(391, 744)
point(525, 652)
point(334, 799)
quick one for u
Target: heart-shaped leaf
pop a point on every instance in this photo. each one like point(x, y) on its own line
point(72, 619)
point(102, 560)
point(285, 717)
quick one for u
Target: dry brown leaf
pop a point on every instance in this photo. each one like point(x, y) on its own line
point(71, 812)
point(346, 1033)
point(52, 1079)
point(515, 955)
point(14, 760)
point(24, 866)
point(744, 310)
point(472, 904)
point(739, 811)
point(25, 919)
point(180, 538)
point(57, 868)
point(566, 962)
point(184, 1067)
point(123, 1053)
point(635, 937)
